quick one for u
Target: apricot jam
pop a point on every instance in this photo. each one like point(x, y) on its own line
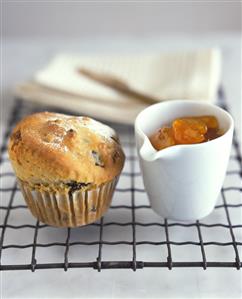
point(186, 130)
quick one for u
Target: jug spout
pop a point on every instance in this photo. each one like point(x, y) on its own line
point(147, 152)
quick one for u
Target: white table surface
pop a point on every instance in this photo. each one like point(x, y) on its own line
point(20, 59)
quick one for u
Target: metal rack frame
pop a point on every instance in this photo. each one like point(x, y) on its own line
point(133, 192)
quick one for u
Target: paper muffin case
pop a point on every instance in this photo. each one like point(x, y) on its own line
point(69, 210)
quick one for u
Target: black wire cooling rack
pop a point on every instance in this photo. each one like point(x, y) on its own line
point(163, 245)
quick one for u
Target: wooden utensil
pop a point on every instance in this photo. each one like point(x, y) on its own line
point(117, 85)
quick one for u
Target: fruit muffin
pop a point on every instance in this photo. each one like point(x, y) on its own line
point(67, 167)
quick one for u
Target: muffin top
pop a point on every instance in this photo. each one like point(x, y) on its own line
point(51, 148)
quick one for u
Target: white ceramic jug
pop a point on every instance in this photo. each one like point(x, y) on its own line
point(183, 181)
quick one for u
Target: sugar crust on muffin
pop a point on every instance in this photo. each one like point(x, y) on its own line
point(51, 150)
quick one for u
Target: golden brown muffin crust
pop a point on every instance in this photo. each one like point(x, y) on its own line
point(50, 148)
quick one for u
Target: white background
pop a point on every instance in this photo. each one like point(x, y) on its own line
point(136, 18)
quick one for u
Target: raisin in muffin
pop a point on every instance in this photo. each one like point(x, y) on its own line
point(67, 167)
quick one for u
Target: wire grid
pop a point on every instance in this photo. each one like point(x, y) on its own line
point(128, 250)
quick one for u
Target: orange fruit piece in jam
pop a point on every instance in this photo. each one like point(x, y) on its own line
point(189, 130)
point(210, 121)
point(163, 138)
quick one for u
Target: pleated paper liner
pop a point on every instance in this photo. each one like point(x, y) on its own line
point(65, 209)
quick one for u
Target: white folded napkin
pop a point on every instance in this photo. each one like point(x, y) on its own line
point(188, 75)
point(174, 75)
